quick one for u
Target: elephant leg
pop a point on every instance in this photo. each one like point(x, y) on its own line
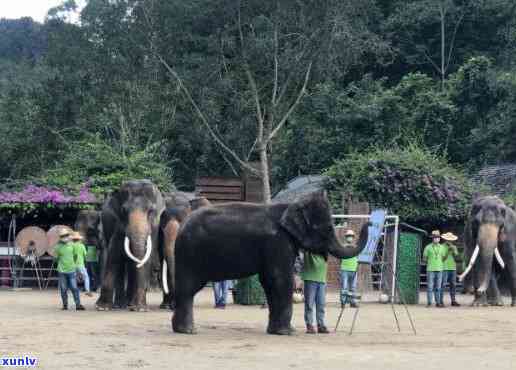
point(480, 299)
point(111, 272)
point(280, 303)
point(138, 288)
point(120, 287)
point(494, 297)
point(186, 288)
point(511, 266)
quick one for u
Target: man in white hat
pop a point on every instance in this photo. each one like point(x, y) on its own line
point(450, 267)
point(66, 265)
point(80, 257)
point(434, 255)
point(348, 274)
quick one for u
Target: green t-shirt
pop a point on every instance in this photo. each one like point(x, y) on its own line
point(349, 264)
point(91, 253)
point(449, 263)
point(80, 254)
point(434, 254)
point(65, 254)
point(315, 268)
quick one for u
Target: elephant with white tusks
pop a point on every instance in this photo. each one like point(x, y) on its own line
point(490, 249)
point(130, 222)
point(170, 222)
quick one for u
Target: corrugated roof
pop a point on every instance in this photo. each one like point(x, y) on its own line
point(300, 186)
point(500, 179)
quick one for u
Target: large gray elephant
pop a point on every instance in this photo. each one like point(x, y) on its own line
point(236, 240)
point(170, 222)
point(130, 223)
point(490, 248)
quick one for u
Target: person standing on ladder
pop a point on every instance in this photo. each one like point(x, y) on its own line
point(450, 267)
point(434, 255)
point(348, 274)
point(66, 266)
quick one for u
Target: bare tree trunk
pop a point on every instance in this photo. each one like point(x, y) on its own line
point(443, 44)
point(264, 165)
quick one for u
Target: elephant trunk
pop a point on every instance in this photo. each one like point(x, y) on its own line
point(169, 242)
point(138, 242)
point(487, 242)
point(339, 250)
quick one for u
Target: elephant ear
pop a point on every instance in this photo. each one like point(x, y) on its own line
point(508, 232)
point(297, 221)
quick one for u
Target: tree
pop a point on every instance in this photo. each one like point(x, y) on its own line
point(414, 26)
point(268, 51)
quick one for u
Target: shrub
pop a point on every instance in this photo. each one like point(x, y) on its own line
point(104, 167)
point(412, 182)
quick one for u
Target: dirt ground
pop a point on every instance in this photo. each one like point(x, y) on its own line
point(450, 338)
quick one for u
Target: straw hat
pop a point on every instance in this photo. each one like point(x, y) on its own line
point(350, 233)
point(451, 237)
point(76, 236)
point(436, 234)
point(63, 233)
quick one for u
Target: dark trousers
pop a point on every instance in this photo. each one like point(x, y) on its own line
point(92, 268)
point(68, 280)
point(449, 276)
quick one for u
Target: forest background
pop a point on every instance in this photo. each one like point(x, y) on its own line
point(398, 101)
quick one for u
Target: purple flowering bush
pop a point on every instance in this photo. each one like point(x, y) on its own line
point(49, 196)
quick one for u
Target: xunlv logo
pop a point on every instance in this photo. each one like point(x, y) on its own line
point(26, 361)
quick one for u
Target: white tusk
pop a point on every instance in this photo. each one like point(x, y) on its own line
point(471, 263)
point(128, 251)
point(148, 250)
point(164, 276)
point(499, 258)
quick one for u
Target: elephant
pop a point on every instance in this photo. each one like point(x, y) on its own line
point(236, 240)
point(491, 232)
point(130, 223)
point(87, 224)
point(170, 221)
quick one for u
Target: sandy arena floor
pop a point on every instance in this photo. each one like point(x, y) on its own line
point(452, 338)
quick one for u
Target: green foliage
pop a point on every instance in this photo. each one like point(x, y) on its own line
point(105, 167)
point(375, 82)
point(411, 182)
point(366, 113)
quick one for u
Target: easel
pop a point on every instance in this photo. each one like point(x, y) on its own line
point(33, 260)
point(52, 268)
point(389, 269)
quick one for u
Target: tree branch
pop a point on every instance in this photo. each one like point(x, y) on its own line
point(250, 79)
point(452, 42)
point(293, 106)
point(275, 87)
point(204, 120)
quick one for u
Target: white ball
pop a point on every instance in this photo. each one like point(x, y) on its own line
point(384, 298)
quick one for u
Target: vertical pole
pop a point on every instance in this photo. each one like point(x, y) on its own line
point(394, 257)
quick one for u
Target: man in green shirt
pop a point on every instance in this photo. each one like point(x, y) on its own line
point(434, 255)
point(315, 268)
point(348, 274)
point(80, 255)
point(66, 266)
point(450, 267)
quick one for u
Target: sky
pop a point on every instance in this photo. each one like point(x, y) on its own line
point(37, 9)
